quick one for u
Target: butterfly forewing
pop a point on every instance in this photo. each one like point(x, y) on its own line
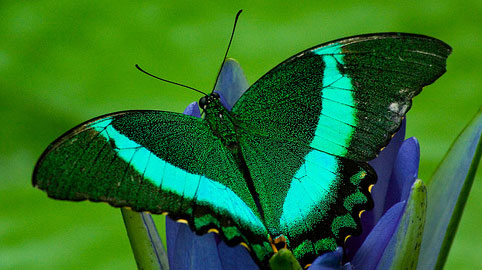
point(345, 97)
point(158, 162)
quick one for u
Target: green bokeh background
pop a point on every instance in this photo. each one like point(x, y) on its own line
point(63, 62)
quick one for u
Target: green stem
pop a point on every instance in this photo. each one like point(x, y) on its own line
point(145, 242)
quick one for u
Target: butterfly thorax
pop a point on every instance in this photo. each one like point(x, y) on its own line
point(220, 121)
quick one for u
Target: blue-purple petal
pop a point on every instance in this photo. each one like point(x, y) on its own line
point(235, 258)
point(193, 110)
point(172, 229)
point(186, 249)
point(368, 255)
point(347, 266)
point(383, 166)
point(224, 102)
point(328, 261)
point(404, 173)
point(231, 83)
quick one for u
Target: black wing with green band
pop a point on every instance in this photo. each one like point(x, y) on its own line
point(154, 161)
point(312, 122)
point(345, 97)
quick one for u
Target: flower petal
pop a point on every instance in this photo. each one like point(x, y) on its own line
point(328, 261)
point(172, 229)
point(347, 266)
point(370, 252)
point(231, 83)
point(236, 257)
point(404, 173)
point(404, 247)
point(447, 193)
point(186, 249)
point(193, 110)
point(383, 165)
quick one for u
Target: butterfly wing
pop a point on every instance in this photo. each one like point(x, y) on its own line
point(158, 162)
point(309, 124)
point(314, 199)
point(345, 97)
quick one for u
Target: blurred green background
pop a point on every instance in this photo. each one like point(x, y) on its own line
point(63, 62)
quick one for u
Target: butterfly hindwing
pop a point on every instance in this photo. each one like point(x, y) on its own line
point(153, 161)
point(315, 199)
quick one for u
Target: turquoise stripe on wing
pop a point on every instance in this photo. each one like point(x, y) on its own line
point(316, 179)
point(337, 120)
point(177, 180)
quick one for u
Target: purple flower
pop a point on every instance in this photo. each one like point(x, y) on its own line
point(392, 231)
point(397, 170)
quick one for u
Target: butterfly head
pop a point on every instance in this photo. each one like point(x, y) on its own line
point(209, 101)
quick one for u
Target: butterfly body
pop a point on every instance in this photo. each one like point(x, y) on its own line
point(223, 126)
point(287, 163)
point(220, 122)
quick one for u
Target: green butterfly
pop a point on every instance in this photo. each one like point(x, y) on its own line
point(287, 166)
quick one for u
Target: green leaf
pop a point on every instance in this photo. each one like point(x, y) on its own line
point(409, 232)
point(284, 260)
point(447, 194)
point(145, 242)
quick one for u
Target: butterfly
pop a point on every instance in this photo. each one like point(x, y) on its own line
point(285, 167)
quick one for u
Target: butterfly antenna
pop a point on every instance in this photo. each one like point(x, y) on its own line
point(164, 80)
point(229, 45)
